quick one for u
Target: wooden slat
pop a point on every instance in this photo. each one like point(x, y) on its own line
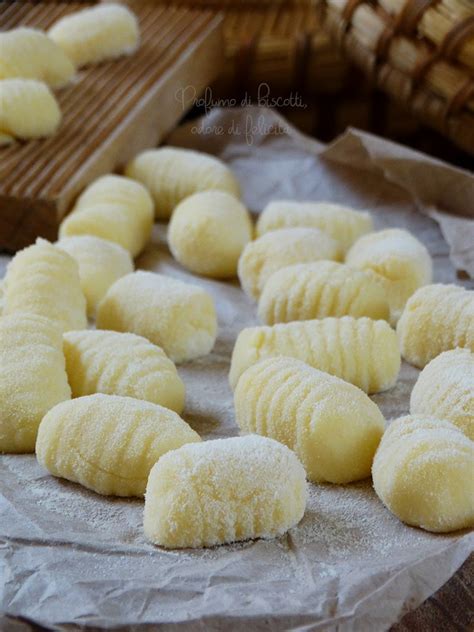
point(110, 112)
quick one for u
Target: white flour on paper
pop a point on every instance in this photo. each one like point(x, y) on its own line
point(70, 557)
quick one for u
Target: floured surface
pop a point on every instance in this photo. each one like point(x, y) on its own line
point(70, 556)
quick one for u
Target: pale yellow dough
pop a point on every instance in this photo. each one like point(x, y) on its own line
point(436, 318)
point(317, 290)
point(280, 248)
point(340, 222)
point(172, 174)
point(43, 279)
point(423, 473)
point(32, 377)
point(28, 110)
point(333, 426)
point(224, 491)
point(101, 262)
point(208, 231)
point(114, 208)
point(445, 389)
point(97, 34)
point(121, 364)
point(29, 54)
point(402, 263)
point(358, 350)
point(177, 316)
point(108, 443)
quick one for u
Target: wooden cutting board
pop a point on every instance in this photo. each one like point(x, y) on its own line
point(111, 112)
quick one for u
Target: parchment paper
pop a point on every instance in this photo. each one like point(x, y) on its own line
point(68, 556)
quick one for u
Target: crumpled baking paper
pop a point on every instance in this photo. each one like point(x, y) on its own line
point(69, 557)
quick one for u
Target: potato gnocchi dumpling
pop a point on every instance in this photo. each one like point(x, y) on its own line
point(121, 364)
point(28, 110)
point(317, 290)
point(113, 208)
point(29, 54)
point(358, 350)
point(101, 262)
point(280, 248)
point(97, 34)
point(422, 473)
point(43, 279)
point(172, 174)
point(2, 295)
point(401, 261)
point(208, 231)
point(436, 318)
point(109, 443)
point(445, 389)
point(342, 223)
point(224, 491)
point(333, 427)
point(177, 316)
point(32, 377)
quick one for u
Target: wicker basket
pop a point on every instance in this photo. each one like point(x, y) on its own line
point(421, 52)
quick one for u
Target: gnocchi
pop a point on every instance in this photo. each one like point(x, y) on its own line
point(342, 223)
point(208, 231)
point(43, 279)
point(401, 262)
point(113, 208)
point(32, 377)
point(317, 290)
point(29, 54)
point(224, 491)
point(28, 110)
point(96, 34)
point(101, 262)
point(333, 427)
point(445, 389)
point(177, 316)
point(172, 174)
point(358, 350)
point(436, 318)
point(280, 248)
point(109, 443)
point(422, 473)
point(121, 364)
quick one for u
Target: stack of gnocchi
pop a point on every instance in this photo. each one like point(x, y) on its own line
point(340, 304)
point(33, 63)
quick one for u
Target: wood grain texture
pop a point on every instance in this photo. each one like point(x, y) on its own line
point(110, 112)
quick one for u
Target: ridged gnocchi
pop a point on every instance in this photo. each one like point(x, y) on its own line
point(172, 174)
point(342, 223)
point(29, 54)
point(317, 290)
point(43, 279)
point(401, 261)
point(177, 316)
point(109, 443)
point(97, 34)
point(121, 364)
point(224, 491)
point(358, 350)
point(445, 389)
point(101, 262)
point(436, 318)
point(333, 426)
point(280, 248)
point(28, 110)
point(32, 377)
point(113, 208)
point(423, 473)
point(208, 231)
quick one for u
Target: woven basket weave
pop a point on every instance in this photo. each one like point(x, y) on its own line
point(421, 52)
point(279, 42)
